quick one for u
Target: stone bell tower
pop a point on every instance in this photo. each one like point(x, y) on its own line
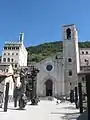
point(21, 37)
point(70, 57)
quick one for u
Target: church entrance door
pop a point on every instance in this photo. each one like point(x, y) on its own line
point(49, 87)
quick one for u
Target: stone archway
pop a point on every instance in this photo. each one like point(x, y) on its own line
point(42, 88)
point(49, 87)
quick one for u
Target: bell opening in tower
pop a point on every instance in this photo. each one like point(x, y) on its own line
point(68, 33)
point(21, 37)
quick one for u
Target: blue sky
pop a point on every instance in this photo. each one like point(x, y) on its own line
point(41, 20)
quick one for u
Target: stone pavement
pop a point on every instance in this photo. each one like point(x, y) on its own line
point(45, 110)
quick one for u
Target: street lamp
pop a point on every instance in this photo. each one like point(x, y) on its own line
point(71, 94)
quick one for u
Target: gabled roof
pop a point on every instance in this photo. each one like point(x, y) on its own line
point(52, 57)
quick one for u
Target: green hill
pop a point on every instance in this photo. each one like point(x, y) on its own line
point(42, 51)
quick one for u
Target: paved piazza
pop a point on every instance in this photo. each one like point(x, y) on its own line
point(45, 110)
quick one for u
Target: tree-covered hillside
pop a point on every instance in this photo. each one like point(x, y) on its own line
point(42, 51)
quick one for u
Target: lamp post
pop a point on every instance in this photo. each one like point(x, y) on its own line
point(76, 97)
point(87, 88)
point(6, 97)
point(15, 96)
point(87, 92)
point(80, 98)
point(71, 93)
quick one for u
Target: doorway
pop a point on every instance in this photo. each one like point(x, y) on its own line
point(49, 87)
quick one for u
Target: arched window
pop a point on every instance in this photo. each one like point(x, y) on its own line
point(17, 48)
point(13, 48)
point(86, 52)
point(68, 33)
point(85, 60)
point(82, 52)
point(5, 48)
point(12, 59)
point(15, 65)
point(4, 59)
point(70, 73)
point(8, 59)
point(69, 60)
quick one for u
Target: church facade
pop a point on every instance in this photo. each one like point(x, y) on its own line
point(58, 73)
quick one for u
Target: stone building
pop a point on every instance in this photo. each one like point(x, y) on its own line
point(6, 76)
point(14, 56)
point(59, 72)
point(15, 53)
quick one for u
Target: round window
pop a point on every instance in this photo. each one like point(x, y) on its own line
point(49, 67)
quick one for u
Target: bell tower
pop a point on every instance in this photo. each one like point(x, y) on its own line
point(21, 37)
point(70, 57)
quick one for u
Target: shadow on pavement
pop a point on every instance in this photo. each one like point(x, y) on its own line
point(83, 116)
point(2, 110)
point(65, 113)
point(68, 116)
point(76, 116)
point(16, 109)
point(73, 108)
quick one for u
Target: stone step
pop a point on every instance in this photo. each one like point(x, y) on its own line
point(47, 98)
